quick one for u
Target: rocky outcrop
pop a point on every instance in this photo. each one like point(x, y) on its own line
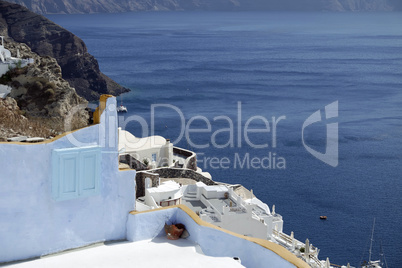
point(13, 123)
point(42, 94)
point(46, 38)
point(96, 6)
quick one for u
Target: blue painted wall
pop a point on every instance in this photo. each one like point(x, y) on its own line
point(34, 221)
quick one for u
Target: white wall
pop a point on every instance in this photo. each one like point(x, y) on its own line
point(212, 242)
point(166, 191)
point(33, 223)
point(3, 68)
point(244, 224)
point(214, 191)
point(4, 90)
point(143, 148)
point(161, 156)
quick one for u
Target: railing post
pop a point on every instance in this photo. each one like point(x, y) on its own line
point(293, 240)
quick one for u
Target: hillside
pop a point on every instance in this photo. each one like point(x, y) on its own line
point(46, 38)
point(97, 6)
point(40, 100)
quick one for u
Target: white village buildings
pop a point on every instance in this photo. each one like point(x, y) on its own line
point(68, 192)
point(221, 206)
point(156, 151)
point(7, 62)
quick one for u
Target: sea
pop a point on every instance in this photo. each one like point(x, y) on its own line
point(303, 108)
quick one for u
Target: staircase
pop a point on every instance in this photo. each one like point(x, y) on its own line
point(190, 193)
point(190, 196)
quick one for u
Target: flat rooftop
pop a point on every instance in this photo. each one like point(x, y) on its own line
point(158, 252)
point(194, 205)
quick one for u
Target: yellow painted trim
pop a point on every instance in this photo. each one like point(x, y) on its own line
point(126, 169)
point(102, 104)
point(277, 249)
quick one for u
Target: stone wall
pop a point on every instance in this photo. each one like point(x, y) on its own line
point(132, 162)
point(140, 181)
point(182, 173)
point(155, 174)
point(191, 157)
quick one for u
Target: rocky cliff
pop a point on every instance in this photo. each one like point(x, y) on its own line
point(95, 6)
point(42, 93)
point(42, 96)
point(46, 38)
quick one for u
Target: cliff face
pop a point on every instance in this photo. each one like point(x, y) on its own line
point(98, 6)
point(41, 92)
point(46, 38)
point(95, 6)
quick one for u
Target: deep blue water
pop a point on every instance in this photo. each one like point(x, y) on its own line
point(275, 64)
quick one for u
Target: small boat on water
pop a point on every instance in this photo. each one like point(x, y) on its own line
point(121, 109)
point(323, 217)
point(381, 263)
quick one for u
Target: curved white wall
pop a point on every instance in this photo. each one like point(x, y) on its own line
point(213, 242)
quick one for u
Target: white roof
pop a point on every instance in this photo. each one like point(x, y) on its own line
point(167, 186)
point(216, 188)
point(130, 143)
point(158, 252)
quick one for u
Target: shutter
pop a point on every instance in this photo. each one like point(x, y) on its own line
point(75, 172)
point(89, 172)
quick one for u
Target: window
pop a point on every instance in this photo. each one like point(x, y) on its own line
point(169, 202)
point(75, 172)
point(153, 157)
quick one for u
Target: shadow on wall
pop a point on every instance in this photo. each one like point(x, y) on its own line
point(213, 240)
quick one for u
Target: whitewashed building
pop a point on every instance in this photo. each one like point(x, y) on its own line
point(8, 62)
point(68, 192)
point(169, 193)
point(221, 206)
point(64, 193)
point(154, 150)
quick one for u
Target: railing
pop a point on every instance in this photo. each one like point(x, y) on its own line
point(285, 237)
point(316, 261)
point(289, 243)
